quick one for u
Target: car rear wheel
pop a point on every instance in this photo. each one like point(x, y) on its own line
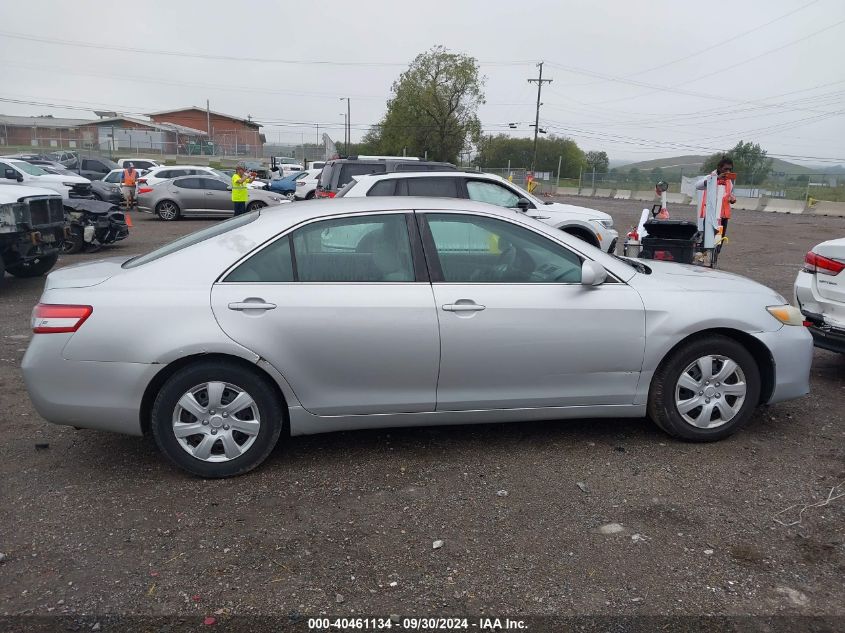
point(167, 210)
point(257, 204)
point(216, 419)
point(706, 390)
point(34, 268)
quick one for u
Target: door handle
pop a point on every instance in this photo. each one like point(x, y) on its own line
point(209, 193)
point(255, 304)
point(463, 307)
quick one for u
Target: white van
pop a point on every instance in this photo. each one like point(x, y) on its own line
point(13, 171)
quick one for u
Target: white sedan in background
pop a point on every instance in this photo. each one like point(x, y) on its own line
point(306, 184)
point(820, 293)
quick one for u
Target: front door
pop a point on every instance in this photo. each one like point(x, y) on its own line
point(217, 199)
point(517, 328)
point(344, 311)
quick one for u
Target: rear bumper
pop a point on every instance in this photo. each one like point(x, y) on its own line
point(825, 336)
point(792, 351)
point(86, 394)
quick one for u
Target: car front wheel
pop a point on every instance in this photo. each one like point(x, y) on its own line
point(216, 419)
point(705, 390)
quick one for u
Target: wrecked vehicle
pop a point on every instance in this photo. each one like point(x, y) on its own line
point(93, 224)
point(32, 230)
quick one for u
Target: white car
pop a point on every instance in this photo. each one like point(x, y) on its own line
point(139, 163)
point(166, 172)
point(306, 184)
point(15, 171)
point(592, 226)
point(820, 293)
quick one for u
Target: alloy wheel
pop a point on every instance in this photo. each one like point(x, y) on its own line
point(710, 391)
point(167, 211)
point(216, 421)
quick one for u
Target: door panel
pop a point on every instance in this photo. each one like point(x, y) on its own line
point(518, 329)
point(359, 335)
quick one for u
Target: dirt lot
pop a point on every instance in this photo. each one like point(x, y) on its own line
point(344, 524)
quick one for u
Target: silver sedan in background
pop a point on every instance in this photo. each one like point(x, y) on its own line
point(198, 195)
point(388, 312)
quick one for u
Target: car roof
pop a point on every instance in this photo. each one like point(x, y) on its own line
point(181, 167)
point(430, 174)
point(343, 206)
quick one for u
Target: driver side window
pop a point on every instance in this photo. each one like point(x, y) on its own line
point(476, 249)
point(491, 193)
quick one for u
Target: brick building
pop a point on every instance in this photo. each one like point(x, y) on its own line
point(231, 135)
point(131, 134)
point(40, 131)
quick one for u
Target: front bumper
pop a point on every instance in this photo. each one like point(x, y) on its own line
point(86, 394)
point(791, 348)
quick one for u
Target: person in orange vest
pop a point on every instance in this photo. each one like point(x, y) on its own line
point(127, 184)
point(725, 166)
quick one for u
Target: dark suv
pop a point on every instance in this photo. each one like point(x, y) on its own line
point(338, 173)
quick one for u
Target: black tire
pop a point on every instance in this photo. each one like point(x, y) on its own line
point(168, 211)
point(258, 387)
point(2, 271)
point(34, 268)
point(310, 195)
point(74, 244)
point(662, 408)
point(254, 205)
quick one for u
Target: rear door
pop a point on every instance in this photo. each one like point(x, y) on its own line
point(517, 328)
point(344, 310)
point(217, 197)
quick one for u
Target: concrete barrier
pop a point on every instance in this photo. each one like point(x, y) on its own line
point(567, 191)
point(823, 207)
point(644, 195)
point(781, 205)
point(622, 194)
point(586, 192)
point(747, 204)
point(603, 193)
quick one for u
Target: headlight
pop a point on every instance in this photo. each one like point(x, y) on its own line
point(8, 222)
point(608, 224)
point(787, 314)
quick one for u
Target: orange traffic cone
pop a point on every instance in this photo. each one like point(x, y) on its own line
point(128, 218)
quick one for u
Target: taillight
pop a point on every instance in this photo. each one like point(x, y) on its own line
point(815, 263)
point(54, 318)
point(144, 189)
point(142, 181)
point(325, 194)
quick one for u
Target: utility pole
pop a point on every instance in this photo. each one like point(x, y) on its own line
point(347, 131)
point(540, 81)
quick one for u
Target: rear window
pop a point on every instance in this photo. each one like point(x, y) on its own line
point(350, 170)
point(193, 238)
point(326, 175)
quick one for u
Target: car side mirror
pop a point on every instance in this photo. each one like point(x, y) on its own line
point(523, 204)
point(592, 273)
point(11, 174)
point(228, 187)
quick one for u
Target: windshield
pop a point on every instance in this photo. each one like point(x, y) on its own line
point(32, 170)
point(193, 238)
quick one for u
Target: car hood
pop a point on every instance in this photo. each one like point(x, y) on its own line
point(16, 192)
point(569, 211)
point(86, 274)
point(701, 279)
point(62, 178)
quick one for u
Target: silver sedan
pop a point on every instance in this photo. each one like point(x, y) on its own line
point(198, 195)
point(389, 312)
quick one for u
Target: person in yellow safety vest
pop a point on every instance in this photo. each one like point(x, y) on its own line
point(240, 194)
point(725, 166)
point(127, 184)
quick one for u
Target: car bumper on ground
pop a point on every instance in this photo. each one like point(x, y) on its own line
point(61, 392)
point(791, 348)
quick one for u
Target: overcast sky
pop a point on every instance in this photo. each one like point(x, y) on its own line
point(639, 79)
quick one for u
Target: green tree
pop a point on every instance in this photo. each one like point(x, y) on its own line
point(635, 176)
point(598, 162)
point(657, 175)
point(501, 149)
point(434, 107)
point(751, 164)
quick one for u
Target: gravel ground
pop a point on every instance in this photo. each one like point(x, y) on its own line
point(97, 523)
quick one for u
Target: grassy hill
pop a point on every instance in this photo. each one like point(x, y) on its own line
point(691, 165)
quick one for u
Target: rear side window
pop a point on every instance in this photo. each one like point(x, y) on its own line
point(433, 187)
point(272, 264)
point(383, 188)
point(164, 173)
point(188, 183)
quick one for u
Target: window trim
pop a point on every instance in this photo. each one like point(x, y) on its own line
point(420, 270)
point(436, 270)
